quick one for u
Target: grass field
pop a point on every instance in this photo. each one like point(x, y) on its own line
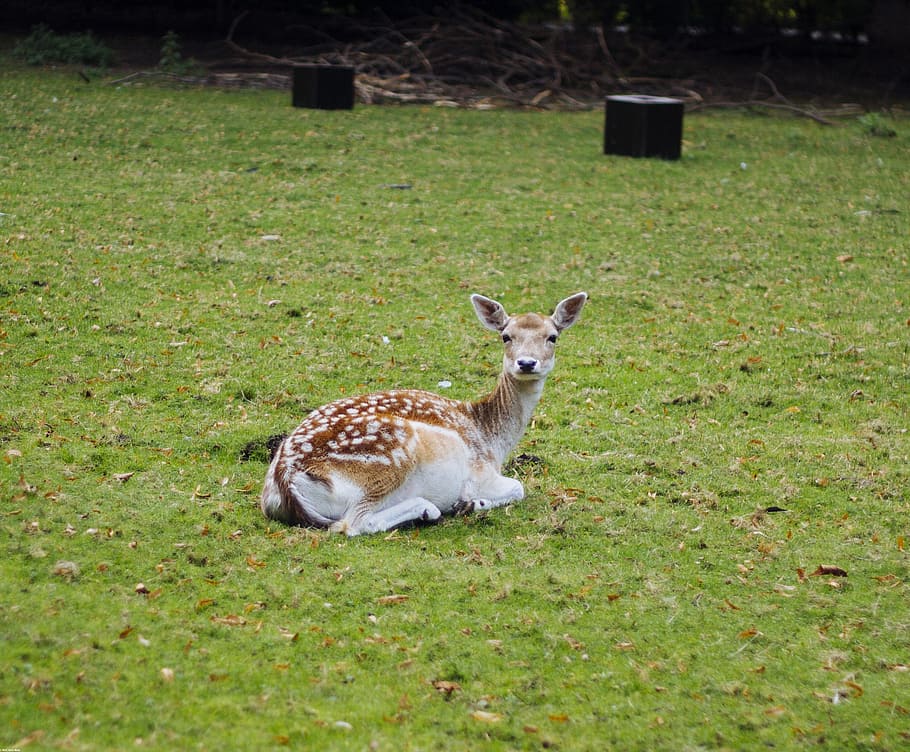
point(713, 553)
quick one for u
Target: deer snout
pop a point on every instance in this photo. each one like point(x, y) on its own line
point(527, 365)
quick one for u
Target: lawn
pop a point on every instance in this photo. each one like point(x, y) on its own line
point(714, 550)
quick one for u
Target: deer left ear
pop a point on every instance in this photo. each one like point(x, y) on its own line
point(491, 314)
point(568, 310)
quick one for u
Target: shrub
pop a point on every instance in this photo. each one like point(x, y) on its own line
point(43, 46)
point(875, 124)
point(172, 60)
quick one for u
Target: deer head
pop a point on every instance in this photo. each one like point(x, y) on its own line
point(529, 338)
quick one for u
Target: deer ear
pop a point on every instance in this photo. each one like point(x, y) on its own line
point(568, 310)
point(491, 314)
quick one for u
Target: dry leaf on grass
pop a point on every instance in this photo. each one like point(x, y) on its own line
point(231, 620)
point(390, 600)
point(446, 688)
point(829, 570)
point(485, 717)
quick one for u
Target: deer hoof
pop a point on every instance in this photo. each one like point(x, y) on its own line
point(463, 507)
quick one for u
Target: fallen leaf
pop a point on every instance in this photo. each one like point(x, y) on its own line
point(484, 717)
point(35, 736)
point(231, 620)
point(167, 675)
point(559, 718)
point(123, 477)
point(446, 687)
point(829, 570)
point(389, 600)
point(67, 569)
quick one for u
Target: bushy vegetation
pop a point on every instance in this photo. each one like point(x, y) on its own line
point(43, 46)
point(713, 549)
point(172, 60)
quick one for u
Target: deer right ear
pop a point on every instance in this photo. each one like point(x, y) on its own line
point(491, 314)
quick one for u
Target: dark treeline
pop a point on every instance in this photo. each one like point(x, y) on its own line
point(846, 20)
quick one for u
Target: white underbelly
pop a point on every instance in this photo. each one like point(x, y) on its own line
point(441, 482)
point(441, 472)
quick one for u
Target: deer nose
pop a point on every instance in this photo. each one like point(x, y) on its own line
point(526, 365)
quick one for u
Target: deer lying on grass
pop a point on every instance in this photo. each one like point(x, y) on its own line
point(371, 463)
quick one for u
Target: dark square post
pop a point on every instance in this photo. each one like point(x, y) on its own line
point(638, 125)
point(323, 87)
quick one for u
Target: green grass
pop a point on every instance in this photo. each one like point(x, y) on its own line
point(184, 273)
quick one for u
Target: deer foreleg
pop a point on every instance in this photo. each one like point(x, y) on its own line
point(493, 492)
point(379, 520)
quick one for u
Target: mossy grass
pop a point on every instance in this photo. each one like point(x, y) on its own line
point(711, 554)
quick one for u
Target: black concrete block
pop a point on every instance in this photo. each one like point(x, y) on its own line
point(323, 87)
point(638, 125)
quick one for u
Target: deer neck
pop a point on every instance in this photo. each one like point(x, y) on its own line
point(503, 415)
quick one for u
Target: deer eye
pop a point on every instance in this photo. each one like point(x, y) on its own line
point(552, 338)
point(506, 338)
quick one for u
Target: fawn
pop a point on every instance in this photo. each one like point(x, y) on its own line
point(372, 463)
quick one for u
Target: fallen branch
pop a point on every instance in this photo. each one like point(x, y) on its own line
point(802, 111)
point(173, 77)
point(470, 59)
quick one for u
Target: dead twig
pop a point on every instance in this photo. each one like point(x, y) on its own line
point(468, 58)
point(802, 111)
